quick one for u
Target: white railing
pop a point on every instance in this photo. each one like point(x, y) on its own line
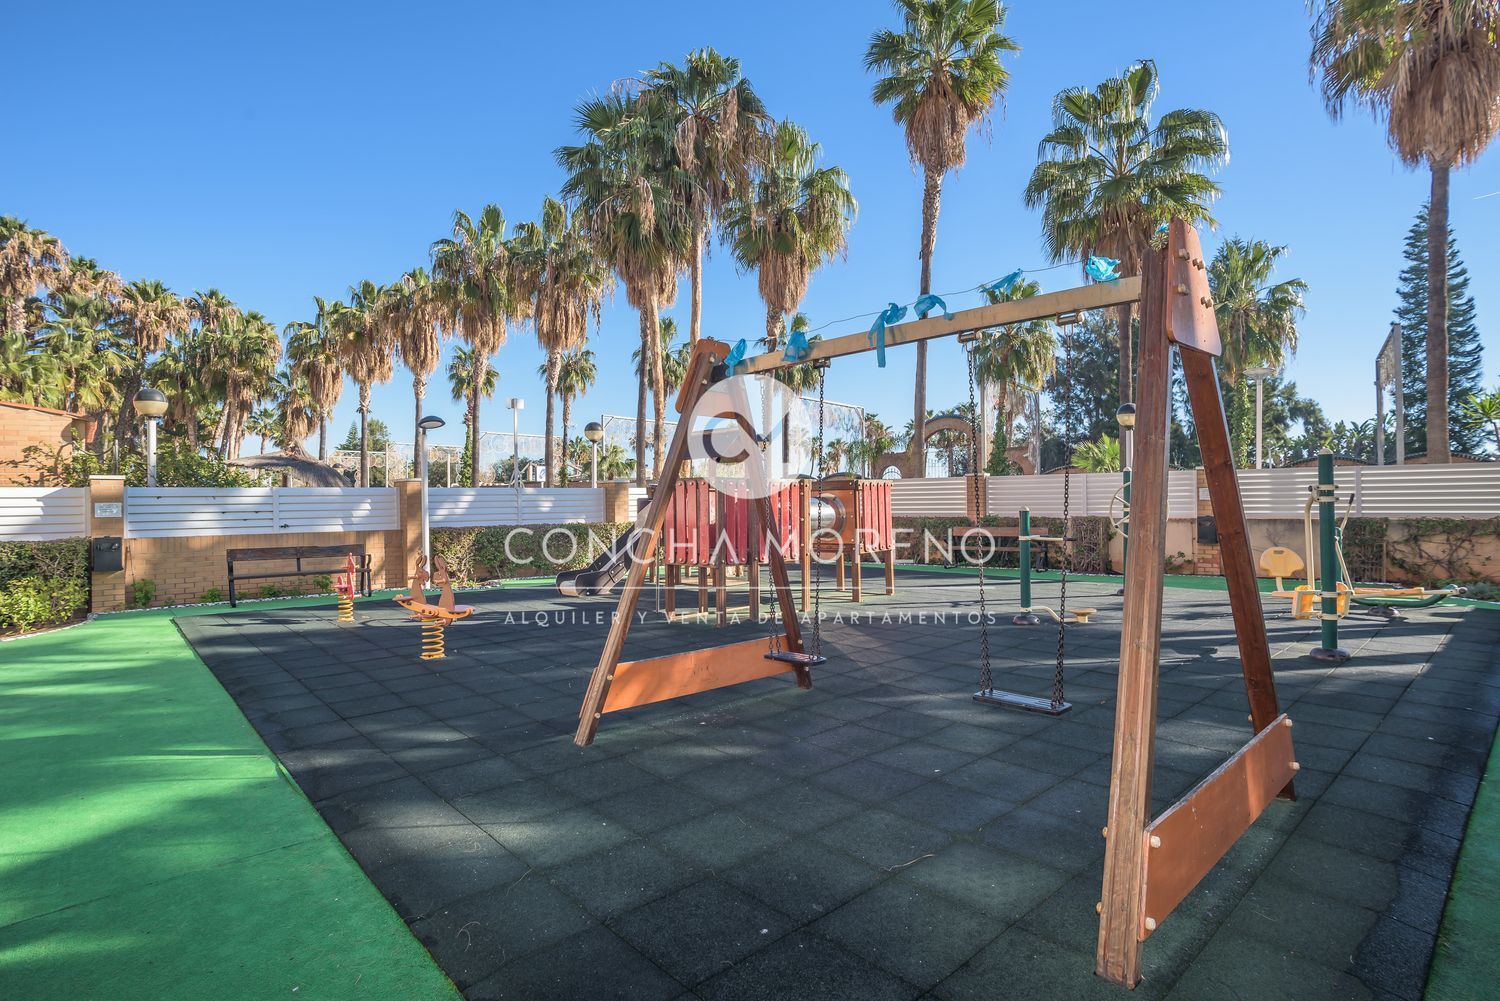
point(929, 497)
point(164, 512)
point(33, 514)
point(1459, 490)
point(474, 507)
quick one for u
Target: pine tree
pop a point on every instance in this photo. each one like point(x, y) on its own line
point(999, 463)
point(1465, 362)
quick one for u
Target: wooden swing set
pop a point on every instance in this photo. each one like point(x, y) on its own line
point(1150, 865)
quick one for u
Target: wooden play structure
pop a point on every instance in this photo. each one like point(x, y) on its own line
point(859, 525)
point(435, 618)
point(1150, 865)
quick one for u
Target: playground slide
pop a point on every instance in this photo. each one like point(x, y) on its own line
point(601, 576)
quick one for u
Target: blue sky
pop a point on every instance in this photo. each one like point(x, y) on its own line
point(278, 151)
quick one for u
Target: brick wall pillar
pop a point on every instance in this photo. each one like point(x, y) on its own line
point(1206, 558)
point(984, 495)
point(405, 543)
point(617, 506)
point(106, 514)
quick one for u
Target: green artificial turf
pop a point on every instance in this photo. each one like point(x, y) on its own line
point(151, 847)
point(1466, 964)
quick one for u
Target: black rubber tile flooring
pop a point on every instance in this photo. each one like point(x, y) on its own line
point(881, 836)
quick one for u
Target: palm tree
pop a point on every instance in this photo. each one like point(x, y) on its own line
point(626, 180)
point(1102, 456)
point(1011, 359)
point(1482, 410)
point(472, 378)
point(415, 316)
point(367, 351)
point(1433, 68)
point(264, 423)
point(1258, 317)
point(565, 281)
point(149, 313)
point(718, 144)
point(313, 350)
point(942, 76)
point(29, 260)
point(295, 415)
point(477, 292)
point(1107, 177)
point(245, 350)
point(575, 376)
point(792, 221)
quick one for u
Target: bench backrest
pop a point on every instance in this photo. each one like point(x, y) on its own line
point(296, 552)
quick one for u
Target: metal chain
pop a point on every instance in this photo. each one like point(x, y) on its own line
point(1067, 555)
point(986, 680)
point(817, 623)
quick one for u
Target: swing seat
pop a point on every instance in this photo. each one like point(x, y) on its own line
point(796, 659)
point(1027, 703)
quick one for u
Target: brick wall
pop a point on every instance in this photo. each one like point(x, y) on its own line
point(52, 431)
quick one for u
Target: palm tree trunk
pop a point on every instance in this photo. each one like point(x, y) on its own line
point(549, 449)
point(226, 422)
point(364, 435)
point(640, 400)
point(567, 413)
point(476, 381)
point(1125, 355)
point(695, 272)
point(658, 390)
point(1438, 447)
point(322, 437)
point(932, 194)
point(419, 396)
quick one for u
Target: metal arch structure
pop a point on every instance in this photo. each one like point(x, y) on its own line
point(1150, 865)
point(1388, 373)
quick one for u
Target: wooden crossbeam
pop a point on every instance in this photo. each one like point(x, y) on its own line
point(1037, 307)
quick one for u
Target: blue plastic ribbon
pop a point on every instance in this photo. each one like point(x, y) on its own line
point(1004, 285)
point(892, 314)
point(1160, 230)
point(797, 347)
point(927, 303)
point(1102, 269)
point(736, 355)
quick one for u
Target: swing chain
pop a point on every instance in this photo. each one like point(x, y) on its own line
point(986, 680)
point(1058, 695)
point(817, 622)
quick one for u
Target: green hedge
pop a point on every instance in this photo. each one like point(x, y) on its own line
point(42, 583)
point(1090, 548)
point(475, 554)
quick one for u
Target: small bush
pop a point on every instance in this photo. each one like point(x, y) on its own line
point(31, 601)
point(270, 591)
point(322, 583)
point(143, 592)
point(64, 558)
point(474, 554)
point(211, 596)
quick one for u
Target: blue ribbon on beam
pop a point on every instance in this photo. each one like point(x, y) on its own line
point(797, 347)
point(1004, 285)
point(736, 355)
point(892, 314)
point(1102, 269)
point(927, 303)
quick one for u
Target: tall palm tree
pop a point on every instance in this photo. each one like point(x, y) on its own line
point(793, 220)
point(1257, 316)
point(1107, 176)
point(1432, 67)
point(415, 315)
point(471, 378)
point(942, 75)
point(575, 376)
point(312, 348)
point(1010, 359)
point(367, 351)
point(477, 292)
point(265, 424)
point(718, 143)
point(30, 259)
point(559, 272)
point(626, 180)
point(208, 310)
point(150, 313)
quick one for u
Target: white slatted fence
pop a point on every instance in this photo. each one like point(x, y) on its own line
point(929, 498)
point(34, 514)
point(164, 512)
point(474, 507)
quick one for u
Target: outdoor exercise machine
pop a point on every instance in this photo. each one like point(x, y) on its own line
point(1150, 865)
point(346, 586)
point(434, 618)
point(1331, 599)
point(1027, 615)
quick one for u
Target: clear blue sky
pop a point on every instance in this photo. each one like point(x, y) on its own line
point(279, 151)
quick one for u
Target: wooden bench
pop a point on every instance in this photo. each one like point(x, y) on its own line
point(996, 534)
point(297, 554)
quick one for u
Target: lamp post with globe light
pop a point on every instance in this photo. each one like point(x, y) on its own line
point(594, 432)
point(426, 424)
point(150, 404)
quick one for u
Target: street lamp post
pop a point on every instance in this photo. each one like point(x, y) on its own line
point(428, 423)
point(150, 404)
point(1126, 417)
point(1260, 375)
point(594, 432)
point(516, 406)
